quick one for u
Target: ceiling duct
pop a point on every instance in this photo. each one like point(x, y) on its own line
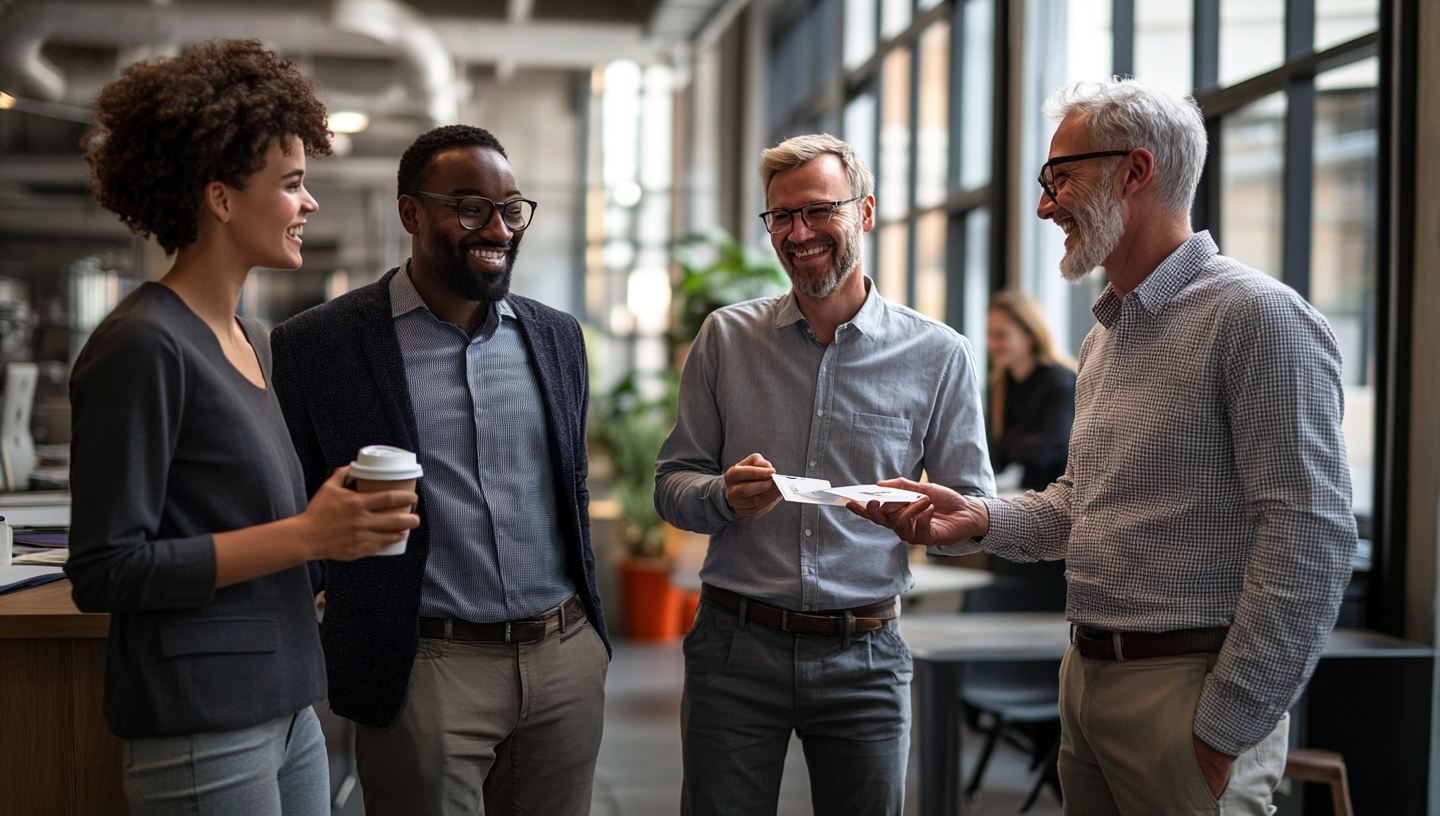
point(401, 27)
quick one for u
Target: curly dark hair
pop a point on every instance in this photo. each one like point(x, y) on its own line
point(168, 127)
point(418, 155)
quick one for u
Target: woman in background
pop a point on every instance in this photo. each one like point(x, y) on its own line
point(1032, 406)
point(188, 525)
point(1032, 392)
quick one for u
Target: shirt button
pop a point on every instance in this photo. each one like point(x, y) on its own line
point(812, 463)
point(819, 412)
point(807, 532)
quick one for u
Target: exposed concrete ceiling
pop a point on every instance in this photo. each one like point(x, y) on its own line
point(407, 65)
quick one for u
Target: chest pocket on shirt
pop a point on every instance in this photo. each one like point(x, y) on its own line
point(880, 446)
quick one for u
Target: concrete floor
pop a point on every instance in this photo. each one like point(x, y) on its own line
point(638, 773)
point(639, 769)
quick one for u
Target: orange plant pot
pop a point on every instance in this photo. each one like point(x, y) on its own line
point(652, 605)
point(689, 603)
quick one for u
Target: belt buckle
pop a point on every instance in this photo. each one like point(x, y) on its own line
point(524, 631)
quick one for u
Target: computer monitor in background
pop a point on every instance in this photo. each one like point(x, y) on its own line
point(17, 446)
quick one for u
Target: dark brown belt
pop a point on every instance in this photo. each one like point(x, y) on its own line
point(1102, 644)
point(530, 630)
point(828, 622)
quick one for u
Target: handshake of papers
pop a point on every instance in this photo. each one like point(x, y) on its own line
point(819, 491)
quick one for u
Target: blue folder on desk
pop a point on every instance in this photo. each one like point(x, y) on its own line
point(22, 577)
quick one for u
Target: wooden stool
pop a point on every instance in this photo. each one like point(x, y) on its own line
point(1319, 765)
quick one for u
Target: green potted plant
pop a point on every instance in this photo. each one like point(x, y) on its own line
point(630, 428)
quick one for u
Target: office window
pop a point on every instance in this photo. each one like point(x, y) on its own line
point(1343, 248)
point(1252, 38)
point(859, 38)
point(893, 199)
point(1252, 149)
point(977, 100)
point(932, 135)
point(1163, 46)
point(930, 231)
point(892, 274)
point(1338, 21)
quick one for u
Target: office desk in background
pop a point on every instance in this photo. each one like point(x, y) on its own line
point(1369, 699)
point(57, 755)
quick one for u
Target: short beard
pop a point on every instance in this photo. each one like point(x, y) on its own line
point(846, 260)
point(455, 273)
point(1098, 229)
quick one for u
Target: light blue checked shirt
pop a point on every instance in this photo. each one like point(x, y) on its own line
point(895, 394)
point(496, 549)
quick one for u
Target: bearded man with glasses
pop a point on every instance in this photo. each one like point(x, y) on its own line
point(796, 631)
point(475, 662)
point(1204, 515)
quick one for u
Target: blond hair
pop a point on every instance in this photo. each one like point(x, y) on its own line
point(798, 150)
point(1025, 312)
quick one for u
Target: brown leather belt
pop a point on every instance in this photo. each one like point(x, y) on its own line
point(530, 630)
point(826, 622)
point(1103, 644)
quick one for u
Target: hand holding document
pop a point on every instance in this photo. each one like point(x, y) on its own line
point(819, 491)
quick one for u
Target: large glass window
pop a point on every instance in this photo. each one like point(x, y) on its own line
point(893, 199)
point(1163, 44)
point(1252, 38)
point(932, 136)
point(1343, 248)
point(1252, 153)
point(977, 77)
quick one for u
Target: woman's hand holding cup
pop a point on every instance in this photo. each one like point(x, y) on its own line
point(345, 524)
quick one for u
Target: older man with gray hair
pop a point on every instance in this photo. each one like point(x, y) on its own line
point(1204, 514)
point(796, 631)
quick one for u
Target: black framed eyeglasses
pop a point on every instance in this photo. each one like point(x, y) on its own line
point(476, 211)
point(1047, 172)
point(782, 219)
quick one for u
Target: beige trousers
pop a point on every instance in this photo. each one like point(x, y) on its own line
point(1126, 742)
point(491, 728)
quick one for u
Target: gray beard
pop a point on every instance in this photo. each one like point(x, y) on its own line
point(824, 286)
point(1098, 228)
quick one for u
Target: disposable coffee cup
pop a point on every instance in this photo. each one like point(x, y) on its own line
point(381, 467)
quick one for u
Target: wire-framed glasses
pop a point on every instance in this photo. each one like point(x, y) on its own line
point(782, 219)
point(476, 211)
point(1047, 172)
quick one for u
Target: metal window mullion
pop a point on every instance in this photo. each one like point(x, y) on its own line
point(1004, 15)
point(1206, 49)
point(913, 171)
point(1298, 180)
point(1122, 27)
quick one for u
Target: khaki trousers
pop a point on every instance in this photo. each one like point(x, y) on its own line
point(1126, 742)
point(491, 728)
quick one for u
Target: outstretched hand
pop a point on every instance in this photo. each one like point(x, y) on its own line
point(942, 517)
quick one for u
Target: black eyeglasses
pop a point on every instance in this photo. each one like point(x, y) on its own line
point(1047, 172)
point(476, 211)
point(781, 219)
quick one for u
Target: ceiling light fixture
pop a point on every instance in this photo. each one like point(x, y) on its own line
point(348, 121)
point(7, 101)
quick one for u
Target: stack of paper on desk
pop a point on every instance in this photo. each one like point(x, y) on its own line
point(819, 491)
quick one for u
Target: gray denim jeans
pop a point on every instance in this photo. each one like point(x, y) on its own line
point(277, 768)
point(747, 688)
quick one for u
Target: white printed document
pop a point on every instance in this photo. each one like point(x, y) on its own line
point(819, 491)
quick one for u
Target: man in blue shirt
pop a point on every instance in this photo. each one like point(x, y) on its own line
point(474, 663)
point(796, 631)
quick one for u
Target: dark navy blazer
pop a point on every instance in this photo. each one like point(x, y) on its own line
point(340, 377)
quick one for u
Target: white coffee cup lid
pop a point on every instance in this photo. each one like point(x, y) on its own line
point(383, 463)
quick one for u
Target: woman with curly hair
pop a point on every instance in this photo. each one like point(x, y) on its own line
point(188, 525)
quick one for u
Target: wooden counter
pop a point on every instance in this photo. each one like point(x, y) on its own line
point(57, 755)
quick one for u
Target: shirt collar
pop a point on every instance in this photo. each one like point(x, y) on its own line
point(1161, 286)
point(867, 320)
point(404, 298)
